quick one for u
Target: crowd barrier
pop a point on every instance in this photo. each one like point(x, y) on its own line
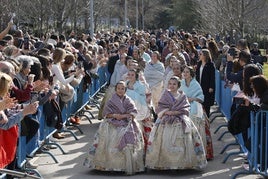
point(258, 132)
point(76, 106)
point(258, 151)
point(217, 113)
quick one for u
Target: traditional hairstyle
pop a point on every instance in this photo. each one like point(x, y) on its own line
point(177, 79)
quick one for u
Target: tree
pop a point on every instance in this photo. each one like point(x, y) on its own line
point(226, 15)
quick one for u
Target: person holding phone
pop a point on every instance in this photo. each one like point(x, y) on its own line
point(244, 58)
point(6, 30)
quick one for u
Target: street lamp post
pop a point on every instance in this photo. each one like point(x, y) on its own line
point(142, 12)
point(91, 19)
point(137, 14)
point(125, 15)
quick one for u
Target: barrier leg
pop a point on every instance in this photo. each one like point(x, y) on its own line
point(71, 132)
point(94, 102)
point(3, 175)
point(50, 154)
point(223, 125)
point(230, 154)
point(216, 116)
point(226, 132)
point(76, 126)
point(81, 113)
point(19, 174)
point(58, 145)
point(241, 173)
point(228, 145)
point(36, 172)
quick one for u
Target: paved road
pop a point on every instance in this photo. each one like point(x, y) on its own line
point(70, 165)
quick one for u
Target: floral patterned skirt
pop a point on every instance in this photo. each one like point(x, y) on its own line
point(104, 154)
point(169, 147)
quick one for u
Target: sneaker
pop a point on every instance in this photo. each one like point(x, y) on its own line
point(246, 166)
point(243, 155)
point(88, 107)
point(31, 165)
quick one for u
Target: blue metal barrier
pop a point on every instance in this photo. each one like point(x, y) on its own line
point(218, 88)
point(76, 106)
point(217, 97)
point(226, 103)
point(226, 100)
point(258, 152)
point(21, 156)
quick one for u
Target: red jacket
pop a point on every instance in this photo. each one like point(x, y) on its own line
point(8, 145)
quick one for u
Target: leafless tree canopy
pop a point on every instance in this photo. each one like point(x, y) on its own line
point(246, 17)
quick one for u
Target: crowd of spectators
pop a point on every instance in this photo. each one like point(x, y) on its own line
point(44, 70)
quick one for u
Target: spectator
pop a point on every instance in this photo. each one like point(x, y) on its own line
point(205, 75)
point(6, 30)
point(243, 59)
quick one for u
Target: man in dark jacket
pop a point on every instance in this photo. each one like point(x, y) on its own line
point(112, 60)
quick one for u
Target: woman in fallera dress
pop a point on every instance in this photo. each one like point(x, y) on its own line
point(194, 93)
point(174, 142)
point(118, 144)
point(137, 90)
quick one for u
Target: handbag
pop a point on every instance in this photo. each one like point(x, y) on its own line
point(240, 120)
point(53, 114)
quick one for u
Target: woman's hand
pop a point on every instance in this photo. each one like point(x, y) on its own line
point(190, 99)
point(40, 85)
point(8, 102)
point(169, 113)
point(210, 90)
point(121, 116)
point(30, 108)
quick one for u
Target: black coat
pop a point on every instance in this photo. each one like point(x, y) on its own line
point(207, 81)
point(111, 63)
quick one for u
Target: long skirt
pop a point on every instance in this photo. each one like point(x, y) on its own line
point(202, 125)
point(108, 94)
point(105, 154)
point(170, 147)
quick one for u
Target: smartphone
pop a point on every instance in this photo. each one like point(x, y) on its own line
point(26, 43)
